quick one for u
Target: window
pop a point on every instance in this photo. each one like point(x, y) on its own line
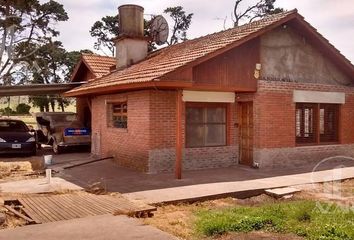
point(329, 122)
point(305, 123)
point(316, 123)
point(118, 115)
point(205, 125)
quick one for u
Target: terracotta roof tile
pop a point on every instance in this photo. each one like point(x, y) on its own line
point(175, 56)
point(99, 65)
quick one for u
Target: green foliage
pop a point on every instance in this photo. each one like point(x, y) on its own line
point(23, 25)
point(182, 21)
point(23, 108)
point(108, 28)
point(53, 65)
point(260, 9)
point(42, 102)
point(71, 59)
point(302, 218)
point(7, 111)
point(104, 31)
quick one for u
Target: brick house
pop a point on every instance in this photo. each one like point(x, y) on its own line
point(272, 93)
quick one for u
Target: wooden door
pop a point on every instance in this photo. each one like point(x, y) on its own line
point(246, 133)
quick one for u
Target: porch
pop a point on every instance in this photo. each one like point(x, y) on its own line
point(234, 181)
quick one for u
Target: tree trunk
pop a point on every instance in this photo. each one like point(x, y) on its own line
point(52, 104)
point(46, 107)
point(61, 104)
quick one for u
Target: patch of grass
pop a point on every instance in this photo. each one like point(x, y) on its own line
point(303, 218)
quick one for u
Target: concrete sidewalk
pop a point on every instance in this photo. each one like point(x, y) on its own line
point(210, 190)
point(38, 185)
point(104, 227)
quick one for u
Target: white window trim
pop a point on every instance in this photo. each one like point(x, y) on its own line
point(318, 97)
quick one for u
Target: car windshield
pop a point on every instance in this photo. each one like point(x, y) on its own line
point(12, 126)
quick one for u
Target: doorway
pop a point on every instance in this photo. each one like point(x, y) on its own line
point(246, 133)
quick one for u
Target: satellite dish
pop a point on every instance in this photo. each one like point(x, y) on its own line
point(159, 30)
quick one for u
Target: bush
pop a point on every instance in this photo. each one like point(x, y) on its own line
point(7, 111)
point(23, 108)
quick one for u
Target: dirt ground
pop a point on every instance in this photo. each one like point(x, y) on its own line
point(340, 192)
point(19, 169)
point(179, 219)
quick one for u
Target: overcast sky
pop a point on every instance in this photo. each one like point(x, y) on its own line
point(334, 19)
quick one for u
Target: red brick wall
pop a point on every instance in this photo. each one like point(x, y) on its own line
point(129, 146)
point(274, 113)
point(162, 119)
point(151, 126)
point(163, 138)
point(347, 121)
point(274, 120)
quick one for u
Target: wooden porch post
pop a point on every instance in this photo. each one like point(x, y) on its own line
point(179, 140)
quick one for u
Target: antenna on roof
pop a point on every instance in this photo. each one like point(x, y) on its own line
point(159, 30)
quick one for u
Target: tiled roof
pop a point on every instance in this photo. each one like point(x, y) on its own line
point(173, 57)
point(99, 65)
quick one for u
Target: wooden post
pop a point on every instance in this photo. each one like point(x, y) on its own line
point(179, 140)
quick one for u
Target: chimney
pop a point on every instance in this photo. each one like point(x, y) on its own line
point(131, 45)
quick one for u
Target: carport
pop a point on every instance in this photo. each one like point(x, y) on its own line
point(54, 90)
point(82, 107)
point(37, 89)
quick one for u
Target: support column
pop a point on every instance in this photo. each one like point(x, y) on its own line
point(179, 139)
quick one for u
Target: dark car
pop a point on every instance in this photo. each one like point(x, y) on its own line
point(15, 137)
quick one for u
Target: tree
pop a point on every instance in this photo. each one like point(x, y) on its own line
point(56, 66)
point(49, 59)
point(7, 111)
point(104, 31)
point(108, 28)
point(260, 9)
point(71, 59)
point(23, 24)
point(23, 108)
point(182, 21)
point(69, 63)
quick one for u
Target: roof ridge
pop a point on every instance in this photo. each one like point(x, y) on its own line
point(190, 52)
point(96, 55)
point(235, 28)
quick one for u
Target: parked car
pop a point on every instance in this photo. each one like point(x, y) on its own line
point(16, 137)
point(61, 130)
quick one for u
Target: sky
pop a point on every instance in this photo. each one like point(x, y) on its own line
point(334, 19)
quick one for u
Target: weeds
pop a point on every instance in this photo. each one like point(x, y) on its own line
point(302, 218)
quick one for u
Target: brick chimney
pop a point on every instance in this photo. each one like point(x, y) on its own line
point(131, 45)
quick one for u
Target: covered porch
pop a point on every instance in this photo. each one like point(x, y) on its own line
point(219, 124)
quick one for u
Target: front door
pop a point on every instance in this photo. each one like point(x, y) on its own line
point(246, 133)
